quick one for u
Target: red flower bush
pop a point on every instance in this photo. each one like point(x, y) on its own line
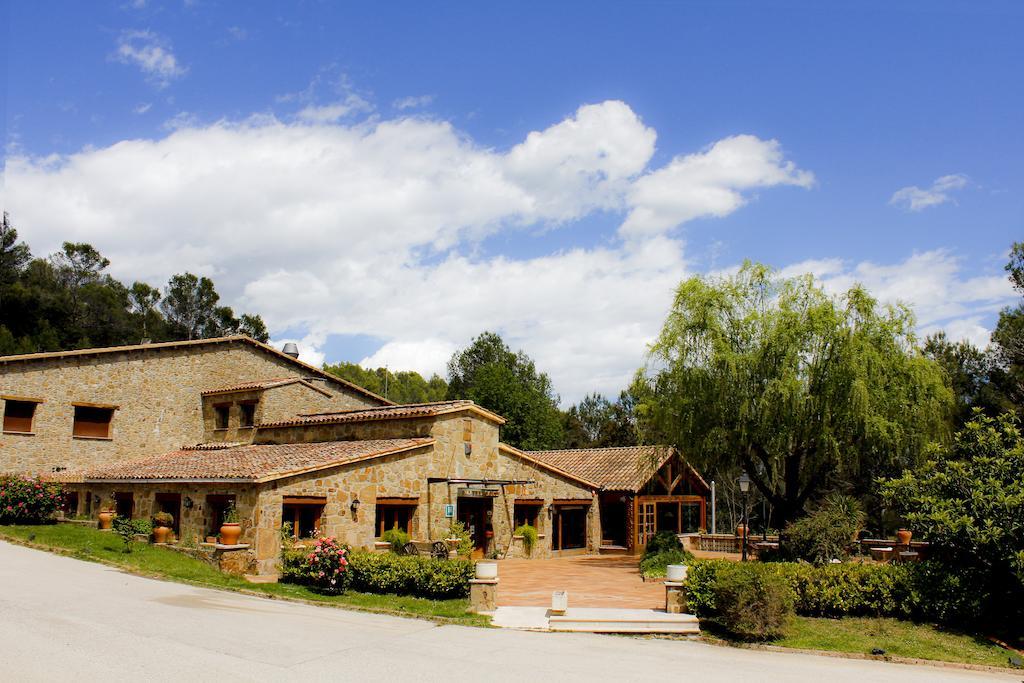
point(327, 565)
point(27, 500)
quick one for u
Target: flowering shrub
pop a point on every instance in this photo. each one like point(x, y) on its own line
point(327, 565)
point(27, 500)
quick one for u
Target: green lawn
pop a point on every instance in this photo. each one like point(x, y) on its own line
point(897, 638)
point(87, 543)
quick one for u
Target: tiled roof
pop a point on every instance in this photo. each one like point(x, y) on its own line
point(259, 385)
point(251, 463)
point(156, 346)
point(611, 469)
point(408, 410)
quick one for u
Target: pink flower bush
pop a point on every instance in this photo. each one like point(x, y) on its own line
point(28, 500)
point(328, 565)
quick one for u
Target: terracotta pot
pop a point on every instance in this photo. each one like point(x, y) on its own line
point(488, 534)
point(741, 530)
point(106, 519)
point(230, 532)
point(903, 536)
point(161, 533)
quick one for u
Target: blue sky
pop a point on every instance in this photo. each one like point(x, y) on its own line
point(383, 182)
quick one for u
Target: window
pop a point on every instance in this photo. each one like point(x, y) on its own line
point(124, 504)
point(304, 514)
point(221, 415)
point(92, 422)
point(246, 414)
point(18, 416)
point(216, 506)
point(527, 513)
point(394, 516)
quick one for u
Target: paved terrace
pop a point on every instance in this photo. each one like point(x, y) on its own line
point(592, 581)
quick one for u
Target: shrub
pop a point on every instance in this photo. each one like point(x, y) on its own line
point(661, 542)
point(529, 535)
point(966, 501)
point(127, 529)
point(397, 538)
point(294, 567)
point(327, 565)
point(826, 533)
point(753, 604)
point(458, 530)
point(163, 519)
point(923, 590)
point(414, 575)
point(28, 500)
point(652, 566)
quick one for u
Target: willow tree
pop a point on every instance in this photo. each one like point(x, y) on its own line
point(803, 390)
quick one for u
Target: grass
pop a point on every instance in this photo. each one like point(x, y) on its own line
point(88, 543)
point(860, 635)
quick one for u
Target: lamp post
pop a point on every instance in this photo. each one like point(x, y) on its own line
point(744, 487)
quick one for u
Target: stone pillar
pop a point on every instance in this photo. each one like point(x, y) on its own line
point(483, 595)
point(675, 597)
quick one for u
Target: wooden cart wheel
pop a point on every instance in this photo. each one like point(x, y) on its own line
point(410, 549)
point(439, 550)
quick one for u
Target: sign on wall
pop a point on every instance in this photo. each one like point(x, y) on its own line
point(478, 493)
point(449, 510)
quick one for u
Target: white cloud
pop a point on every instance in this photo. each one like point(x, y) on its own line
point(708, 183)
point(913, 198)
point(931, 282)
point(151, 54)
point(143, 108)
point(411, 102)
point(331, 113)
point(329, 226)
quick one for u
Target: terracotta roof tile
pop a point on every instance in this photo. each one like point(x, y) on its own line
point(254, 463)
point(408, 410)
point(611, 469)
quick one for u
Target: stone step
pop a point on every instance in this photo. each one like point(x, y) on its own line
point(600, 620)
point(613, 550)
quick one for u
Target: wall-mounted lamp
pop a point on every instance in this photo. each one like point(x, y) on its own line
point(96, 500)
point(188, 503)
point(468, 448)
point(355, 506)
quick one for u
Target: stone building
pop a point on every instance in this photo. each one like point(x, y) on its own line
point(322, 457)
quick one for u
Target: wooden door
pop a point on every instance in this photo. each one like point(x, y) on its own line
point(648, 523)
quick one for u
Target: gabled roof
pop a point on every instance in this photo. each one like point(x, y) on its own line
point(525, 455)
point(393, 412)
point(249, 463)
point(612, 469)
point(235, 339)
point(261, 385)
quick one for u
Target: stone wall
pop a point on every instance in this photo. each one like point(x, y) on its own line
point(405, 475)
point(276, 403)
point(157, 392)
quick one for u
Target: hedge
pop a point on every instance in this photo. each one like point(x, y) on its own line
point(389, 573)
point(925, 590)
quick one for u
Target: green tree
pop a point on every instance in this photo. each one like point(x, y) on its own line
point(489, 373)
point(967, 500)
point(596, 422)
point(968, 370)
point(803, 391)
point(1008, 338)
point(144, 299)
point(406, 386)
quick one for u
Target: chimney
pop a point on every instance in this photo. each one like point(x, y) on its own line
point(290, 349)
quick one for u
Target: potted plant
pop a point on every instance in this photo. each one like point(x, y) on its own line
point(106, 517)
point(162, 523)
point(231, 529)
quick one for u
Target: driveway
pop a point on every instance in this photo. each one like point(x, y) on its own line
point(65, 619)
point(592, 581)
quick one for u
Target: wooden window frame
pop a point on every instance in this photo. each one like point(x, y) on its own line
point(218, 410)
point(297, 503)
point(410, 506)
point(9, 427)
point(243, 408)
point(79, 433)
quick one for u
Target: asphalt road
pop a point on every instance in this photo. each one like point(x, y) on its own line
point(65, 619)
